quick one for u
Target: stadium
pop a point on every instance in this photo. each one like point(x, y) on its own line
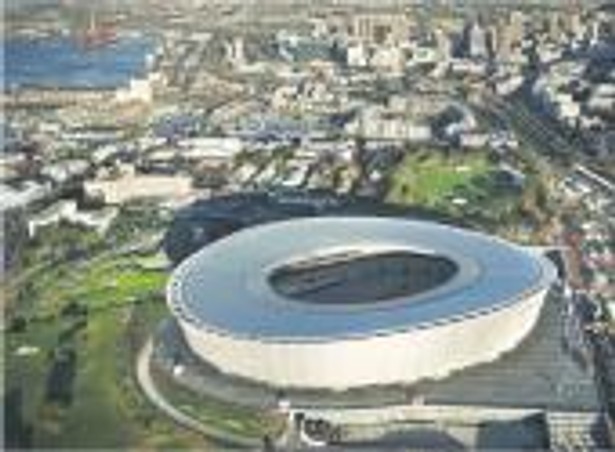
point(345, 302)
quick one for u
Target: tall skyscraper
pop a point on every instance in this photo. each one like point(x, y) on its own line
point(503, 41)
point(380, 28)
point(517, 26)
point(477, 41)
point(492, 40)
point(574, 24)
point(444, 45)
point(554, 29)
point(235, 51)
point(595, 31)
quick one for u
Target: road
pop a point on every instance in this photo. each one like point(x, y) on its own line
point(547, 147)
point(222, 438)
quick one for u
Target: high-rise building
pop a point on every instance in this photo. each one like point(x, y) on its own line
point(477, 41)
point(235, 51)
point(517, 26)
point(595, 31)
point(503, 41)
point(554, 29)
point(357, 55)
point(574, 25)
point(492, 40)
point(380, 28)
point(444, 45)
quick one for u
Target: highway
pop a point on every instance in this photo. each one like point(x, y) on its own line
point(533, 127)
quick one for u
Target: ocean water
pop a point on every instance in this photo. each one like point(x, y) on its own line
point(63, 63)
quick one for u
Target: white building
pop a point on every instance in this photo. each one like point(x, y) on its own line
point(477, 42)
point(549, 53)
point(444, 45)
point(235, 52)
point(566, 108)
point(138, 90)
point(299, 304)
point(66, 170)
point(602, 99)
point(507, 84)
point(425, 55)
point(357, 55)
point(467, 67)
point(473, 140)
point(66, 210)
point(23, 196)
point(374, 124)
point(140, 186)
point(388, 58)
point(219, 149)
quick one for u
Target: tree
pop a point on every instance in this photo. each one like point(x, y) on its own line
point(18, 324)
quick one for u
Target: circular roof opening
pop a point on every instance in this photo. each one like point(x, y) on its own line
point(356, 277)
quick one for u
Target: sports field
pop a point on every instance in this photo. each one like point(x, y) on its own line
point(428, 177)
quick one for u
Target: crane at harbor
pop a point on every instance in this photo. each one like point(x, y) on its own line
point(90, 27)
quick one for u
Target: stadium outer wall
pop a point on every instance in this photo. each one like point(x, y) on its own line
point(400, 357)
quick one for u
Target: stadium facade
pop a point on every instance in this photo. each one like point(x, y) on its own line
point(344, 302)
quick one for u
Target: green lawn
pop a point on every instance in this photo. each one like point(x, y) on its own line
point(102, 283)
point(467, 186)
point(97, 400)
point(107, 410)
point(124, 297)
point(428, 177)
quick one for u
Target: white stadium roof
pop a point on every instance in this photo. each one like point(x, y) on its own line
point(225, 286)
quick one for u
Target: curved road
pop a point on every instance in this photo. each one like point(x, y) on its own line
point(145, 381)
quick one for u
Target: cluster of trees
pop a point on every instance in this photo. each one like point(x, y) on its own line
point(135, 218)
point(66, 242)
point(14, 239)
point(17, 429)
point(63, 368)
point(63, 242)
point(59, 385)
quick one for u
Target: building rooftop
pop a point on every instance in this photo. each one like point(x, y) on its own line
point(491, 274)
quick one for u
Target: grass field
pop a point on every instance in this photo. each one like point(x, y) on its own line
point(467, 186)
point(105, 408)
point(69, 366)
point(100, 283)
point(428, 178)
point(96, 396)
